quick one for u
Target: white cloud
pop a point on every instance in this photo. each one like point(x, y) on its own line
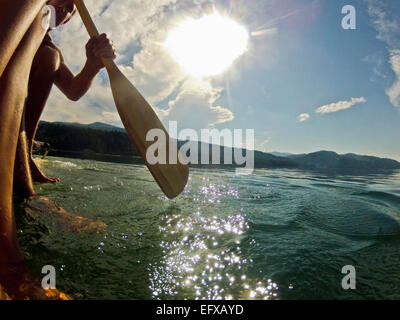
point(194, 107)
point(264, 145)
point(379, 66)
point(385, 18)
point(153, 71)
point(394, 91)
point(341, 105)
point(61, 109)
point(138, 29)
point(304, 117)
point(110, 117)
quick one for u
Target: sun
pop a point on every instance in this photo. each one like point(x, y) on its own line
point(207, 46)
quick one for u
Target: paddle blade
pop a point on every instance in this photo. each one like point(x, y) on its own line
point(139, 118)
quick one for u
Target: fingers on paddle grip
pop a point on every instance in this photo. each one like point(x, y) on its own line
point(101, 47)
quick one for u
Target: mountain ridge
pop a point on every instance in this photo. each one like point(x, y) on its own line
point(101, 138)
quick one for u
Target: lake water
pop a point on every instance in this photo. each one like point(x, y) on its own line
point(277, 234)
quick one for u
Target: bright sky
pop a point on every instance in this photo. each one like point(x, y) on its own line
point(303, 82)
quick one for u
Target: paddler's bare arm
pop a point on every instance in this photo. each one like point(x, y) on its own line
point(16, 17)
point(74, 87)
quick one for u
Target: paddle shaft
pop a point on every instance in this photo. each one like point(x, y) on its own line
point(90, 27)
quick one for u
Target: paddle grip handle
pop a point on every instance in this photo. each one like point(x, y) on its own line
point(91, 28)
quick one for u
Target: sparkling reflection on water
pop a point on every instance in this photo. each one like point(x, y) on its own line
point(196, 264)
point(276, 234)
point(194, 260)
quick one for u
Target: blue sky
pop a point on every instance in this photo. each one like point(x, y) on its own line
point(299, 59)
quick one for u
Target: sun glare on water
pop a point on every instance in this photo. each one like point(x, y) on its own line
point(207, 46)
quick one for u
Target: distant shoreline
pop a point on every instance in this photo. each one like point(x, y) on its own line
point(111, 144)
point(136, 160)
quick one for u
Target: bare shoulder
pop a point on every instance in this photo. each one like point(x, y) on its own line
point(49, 52)
point(48, 56)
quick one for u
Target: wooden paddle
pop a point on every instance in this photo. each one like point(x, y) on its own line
point(138, 118)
